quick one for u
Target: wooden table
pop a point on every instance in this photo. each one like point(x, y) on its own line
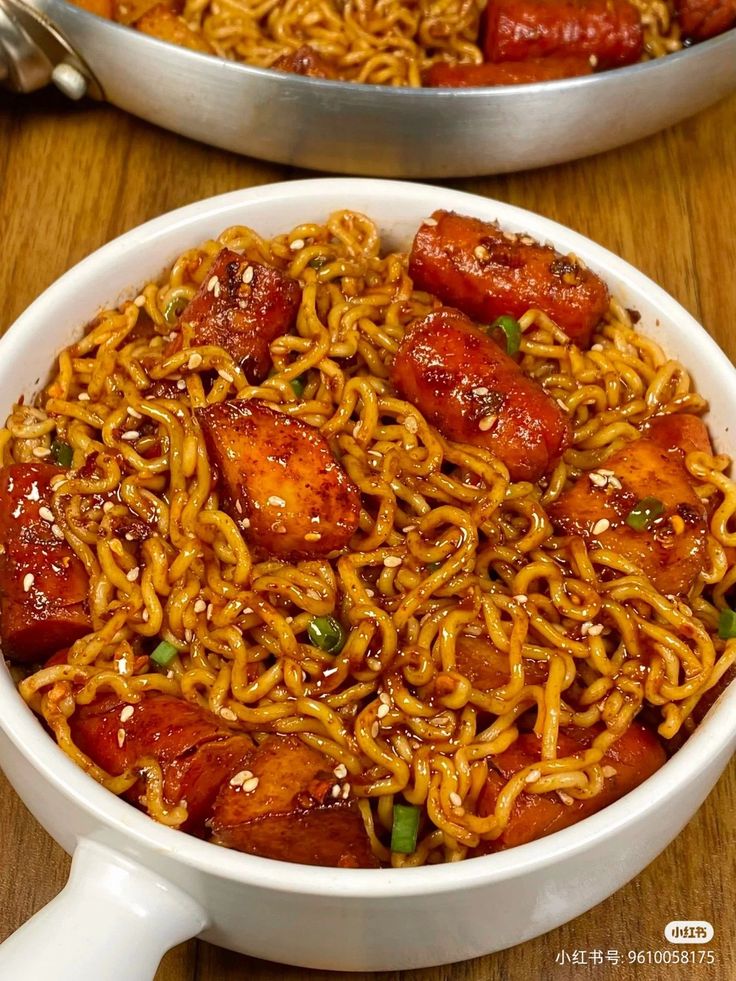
point(73, 177)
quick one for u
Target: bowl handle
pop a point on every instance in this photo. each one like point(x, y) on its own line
point(113, 921)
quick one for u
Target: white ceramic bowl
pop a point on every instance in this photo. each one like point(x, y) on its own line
point(136, 887)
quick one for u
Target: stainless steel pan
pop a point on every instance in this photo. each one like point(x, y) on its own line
point(349, 128)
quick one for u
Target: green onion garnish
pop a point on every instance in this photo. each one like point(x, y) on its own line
point(512, 329)
point(646, 511)
point(174, 309)
point(61, 453)
point(326, 633)
point(727, 624)
point(298, 386)
point(317, 262)
point(164, 654)
point(405, 828)
point(434, 566)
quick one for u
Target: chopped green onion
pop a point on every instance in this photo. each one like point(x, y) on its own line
point(317, 262)
point(164, 654)
point(727, 624)
point(174, 309)
point(298, 386)
point(326, 633)
point(405, 828)
point(61, 453)
point(646, 511)
point(434, 566)
point(512, 329)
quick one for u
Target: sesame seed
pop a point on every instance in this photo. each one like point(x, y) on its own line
point(375, 729)
point(487, 422)
point(480, 252)
point(598, 479)
point(200, 606)
point(430, 221)
point(297, 244)
point(609, 771)
point(276, 502)
point(140, 301)
point(312, 536)
point(408, 528)
point(532, 776)
point(133, 574)
point(340, 771)
point(521, 598)
point(480, 390)
point(46, 513)
point(28, 581)
point(566, 799)
point(248, 274)
point(392, 561)
point(345, 791)
point(107, 506)
point(57, 532)
point(383, 711)
point(250, 785)
point(586, 627)
point(225, 375)
point(127, 713)
point(240, 778)
point(595, 630)
point(121, 737)
point(238, 507)
point(195, 360)
point(335, 792)
point(188, 635)
point(83, 397)
point(606, 473)
point(279, 528)
point(181, 385)
point(131, 436)
point(411, 425)
point(370, 592)
point(211, 283)
point(145, 616)
point(384, 698)
point(122, 665)
point(596, 347)
point(245, 522)
point(210, 610)
point(41, 451)
point(600, 526)
point(134, 413)
point(615, 483)
point(228, 714)
point(373, 663)
point(455, 799)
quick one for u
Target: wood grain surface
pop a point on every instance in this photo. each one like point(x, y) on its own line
point(73, 177)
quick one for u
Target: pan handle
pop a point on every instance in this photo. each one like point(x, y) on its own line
point(34, 52)
point(113, 921)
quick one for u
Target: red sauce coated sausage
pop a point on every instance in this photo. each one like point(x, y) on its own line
point(242, 306)
point(473, 392)
point(474, 266)
point(443, 75)
point(609, 30)
point(701, 19)
point(636, 755)
point(43, 585)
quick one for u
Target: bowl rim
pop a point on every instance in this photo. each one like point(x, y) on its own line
point(714, 737)
point(324, 86)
